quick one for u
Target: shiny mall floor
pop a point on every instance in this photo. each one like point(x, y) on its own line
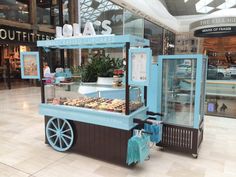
point(23, 151)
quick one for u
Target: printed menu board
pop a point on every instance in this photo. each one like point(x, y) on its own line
point(139, 66)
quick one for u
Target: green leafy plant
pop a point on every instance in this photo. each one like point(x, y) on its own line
point(99, 65)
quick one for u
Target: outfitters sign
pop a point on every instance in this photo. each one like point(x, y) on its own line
point(18, 35)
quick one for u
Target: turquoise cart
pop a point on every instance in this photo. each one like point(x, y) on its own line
point(96, 133)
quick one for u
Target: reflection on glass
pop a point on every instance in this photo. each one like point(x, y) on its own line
point(103, 14)
point(169, 43)
point(178, 91)
point(49, 12)
point(134, 25)
point(14, 10)
point(154, 34)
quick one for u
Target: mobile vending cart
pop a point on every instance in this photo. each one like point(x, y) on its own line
point(179, 93)
point(102, 134)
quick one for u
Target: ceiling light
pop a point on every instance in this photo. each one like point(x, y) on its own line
point(227, 4)
point(186, 1)
point(201, 6)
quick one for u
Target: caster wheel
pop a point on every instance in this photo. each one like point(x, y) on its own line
point(59, 134)
point(195, 156)
point(162, 149)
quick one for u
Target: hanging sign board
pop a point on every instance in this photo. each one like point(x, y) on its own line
point(139, 66)
point(30, 65)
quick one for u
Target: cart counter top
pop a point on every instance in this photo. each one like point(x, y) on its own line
point(92, 116)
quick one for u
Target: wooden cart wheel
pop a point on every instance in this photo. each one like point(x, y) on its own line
point(59, 134)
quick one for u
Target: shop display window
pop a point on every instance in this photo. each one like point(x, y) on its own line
point(168, 43)
point(15, 10)
point(49, 12)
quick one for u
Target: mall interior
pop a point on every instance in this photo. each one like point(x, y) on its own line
point(123, 88)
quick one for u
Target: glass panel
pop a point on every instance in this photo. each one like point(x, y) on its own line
point(169, 43)
point(136, 98)
point(155, 34)
point(134, 25)
point(97, 11)
point(107, 94)
point(15, 10)
point(49, 12)
point(178, 91)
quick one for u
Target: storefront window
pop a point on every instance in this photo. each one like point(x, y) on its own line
point(221, 84)
point(133, 25)
point(155, 34)
point(65, 10)
point(106, 17)
point(15, 10)
point(168, 43)
point(48, 12)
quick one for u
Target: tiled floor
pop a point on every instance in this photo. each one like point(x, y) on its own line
point(23, 152)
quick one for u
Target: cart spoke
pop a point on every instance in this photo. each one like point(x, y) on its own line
point(54, 125)
point(60, 142)
point(52, 130)
point(55, 142)
point(64, 123)
point(58, 123)
point(63, 139)
point(65, 131)
point(66, 136)
point(53, 135)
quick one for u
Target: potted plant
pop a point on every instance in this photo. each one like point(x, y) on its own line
point(100, 69)
point(106, 67)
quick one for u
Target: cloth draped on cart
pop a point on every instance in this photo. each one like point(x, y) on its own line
point(155, 130)
point(138, 148)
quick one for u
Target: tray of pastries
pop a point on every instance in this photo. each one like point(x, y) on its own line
point(113, 105)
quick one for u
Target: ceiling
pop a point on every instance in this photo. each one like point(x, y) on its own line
point(180, 8)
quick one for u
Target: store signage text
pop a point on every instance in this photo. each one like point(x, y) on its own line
point(215, 31)
point(106, 29)
point(21, 35)
point(230, 21)
point(69, 30)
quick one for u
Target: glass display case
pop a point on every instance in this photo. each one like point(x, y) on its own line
point(181, 97)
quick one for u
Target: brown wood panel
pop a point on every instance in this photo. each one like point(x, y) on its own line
point(100, 142)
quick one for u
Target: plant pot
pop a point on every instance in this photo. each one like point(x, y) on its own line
point(105, 80)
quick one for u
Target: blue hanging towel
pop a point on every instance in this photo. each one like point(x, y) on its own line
point(156, 130)
point(138, 149)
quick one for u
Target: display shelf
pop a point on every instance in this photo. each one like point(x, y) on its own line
point(92, 116)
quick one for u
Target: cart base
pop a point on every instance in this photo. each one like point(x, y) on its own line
point(104, 143)
point(181, 139)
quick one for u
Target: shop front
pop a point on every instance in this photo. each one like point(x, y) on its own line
point(218, 39)
point(20, 28)
point(13, 42)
